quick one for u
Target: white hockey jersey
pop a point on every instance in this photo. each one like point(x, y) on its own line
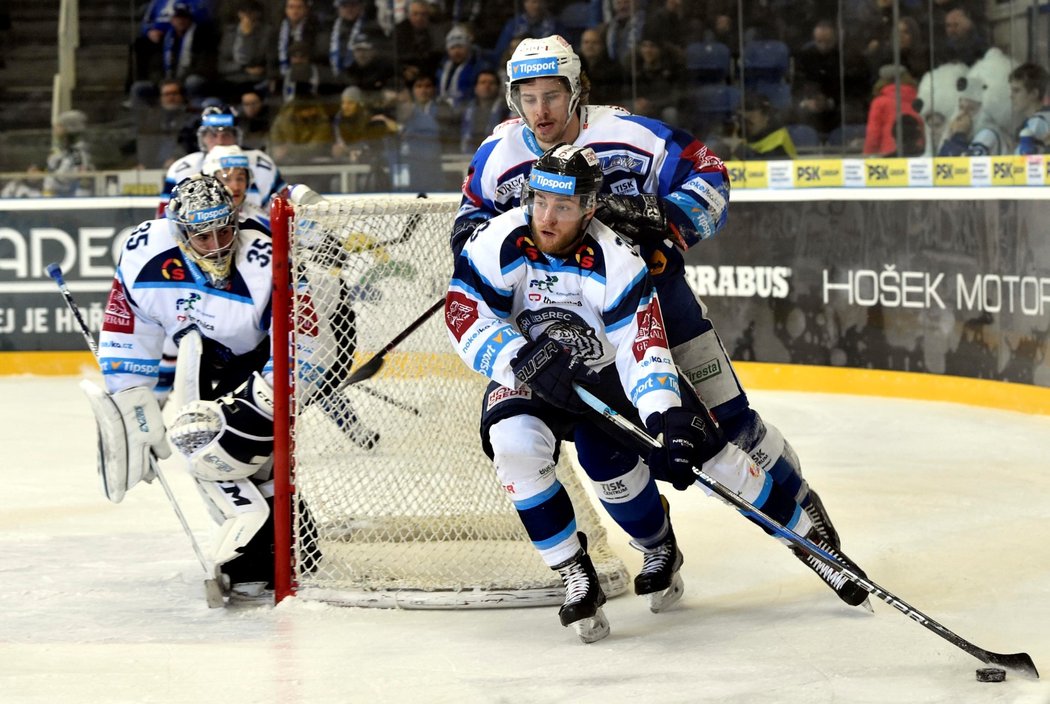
point(158, 294)
point(266, 178)
point(638, 155)
point(599, 302)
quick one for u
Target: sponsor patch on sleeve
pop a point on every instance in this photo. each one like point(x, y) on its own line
point(117, 316)
point(651, 332)
point(460, 313)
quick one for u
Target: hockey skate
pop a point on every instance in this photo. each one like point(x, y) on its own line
point(339, 409)
point(659, 579)
point(847, 589)
point(583, 596)
point(818, 515)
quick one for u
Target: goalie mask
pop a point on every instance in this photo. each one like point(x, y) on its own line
point(218, 127)
point(231, 165)
point(538, 58)
point(206, 221)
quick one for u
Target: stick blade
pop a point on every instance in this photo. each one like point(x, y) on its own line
point(366, 371)
point(1021, 663)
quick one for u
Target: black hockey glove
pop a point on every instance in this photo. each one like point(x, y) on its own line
point(550, 370)
point(689, 440)
point(640, 219)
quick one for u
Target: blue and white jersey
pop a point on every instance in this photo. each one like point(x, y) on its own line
point(266, 178)
point(599, 302)
point(158, 293)
point(1034, 135)
point(639, 155)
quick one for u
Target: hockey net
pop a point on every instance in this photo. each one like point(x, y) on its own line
point(392, 500)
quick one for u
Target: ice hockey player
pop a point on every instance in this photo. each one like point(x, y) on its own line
point(219, 127)
point(544, 297)
point(196, 273)
point(663, 190)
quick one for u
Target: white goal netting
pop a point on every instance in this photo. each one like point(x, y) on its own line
point(396, 503)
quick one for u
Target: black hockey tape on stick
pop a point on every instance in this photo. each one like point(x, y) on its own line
point(390, 400)
point(1020, 663)
point(370, 368)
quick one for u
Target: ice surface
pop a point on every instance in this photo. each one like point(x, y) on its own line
point(947, 506)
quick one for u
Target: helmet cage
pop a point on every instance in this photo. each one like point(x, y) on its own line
point(198, 206)
point(550, 57)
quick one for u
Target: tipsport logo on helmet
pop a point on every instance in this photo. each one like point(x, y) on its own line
point(532, 68)
point(234, 162)
point(209, 214)
point(218, 121)
point(552, 183)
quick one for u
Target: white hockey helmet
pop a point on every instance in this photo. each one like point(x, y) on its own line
point(198, 206)
point(538, 58)
point(223, 159)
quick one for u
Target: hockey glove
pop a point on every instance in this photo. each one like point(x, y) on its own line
point(640, 219)
point(550, 370)
point(689, 439)
point(230, 438)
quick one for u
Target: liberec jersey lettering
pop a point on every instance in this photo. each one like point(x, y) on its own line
point(598, 317)
point(161, 305)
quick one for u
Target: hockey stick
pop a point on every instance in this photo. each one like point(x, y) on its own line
point(392, 401)
point(212, 589)
point(1018, 662)
point(373, 365)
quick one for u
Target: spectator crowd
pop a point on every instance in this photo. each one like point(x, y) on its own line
point(396, 85)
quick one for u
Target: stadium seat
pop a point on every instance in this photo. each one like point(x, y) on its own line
point(778, 92)
point(574, 18)
point(708, 62)
point(765, 60)
point(714, 104)
point(846, 139)
point(805, 137)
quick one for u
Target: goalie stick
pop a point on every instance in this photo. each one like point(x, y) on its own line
point(212, 588)
point(1018, 662)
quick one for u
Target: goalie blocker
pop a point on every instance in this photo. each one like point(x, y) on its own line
point(130, 434)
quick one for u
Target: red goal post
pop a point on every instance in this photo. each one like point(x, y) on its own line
point(383, 495)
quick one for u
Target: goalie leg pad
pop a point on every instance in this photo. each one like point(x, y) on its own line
point(228, 439)
point(130, 429)
point(240, 510)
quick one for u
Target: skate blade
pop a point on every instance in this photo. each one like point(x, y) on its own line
point(665, 599)
point(592, 629)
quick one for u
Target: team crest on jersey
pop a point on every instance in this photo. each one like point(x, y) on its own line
point(651, 332)
point(460, 314)
point(117, 316)
point(173, 270)
point(568, 328)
